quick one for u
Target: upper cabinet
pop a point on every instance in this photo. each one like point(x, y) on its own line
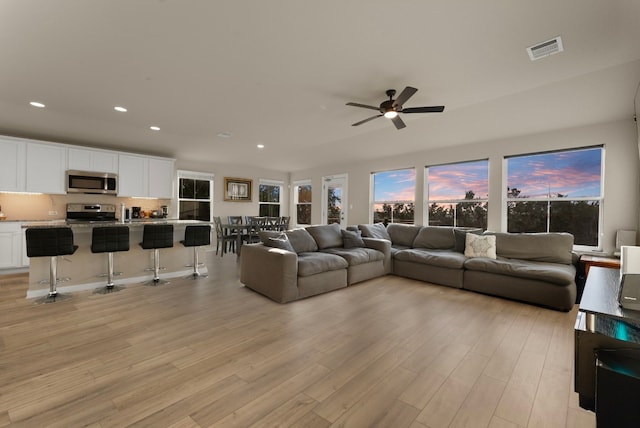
point(12, 165)
point(40, 167)
point(93, 160)
point(46, 168)
point(143, 176)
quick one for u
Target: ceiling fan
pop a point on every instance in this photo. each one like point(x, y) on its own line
point(390, 108)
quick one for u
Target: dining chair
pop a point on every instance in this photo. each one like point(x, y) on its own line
point(284, 222)
point(223, 238)
point(255, 225)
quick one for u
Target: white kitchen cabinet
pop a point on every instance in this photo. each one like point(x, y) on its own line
point(161, 172)
point(46, 168)
point(92, 160)
point(12, 165)
point(144, 176)
point(133, 175)
point(11, 245)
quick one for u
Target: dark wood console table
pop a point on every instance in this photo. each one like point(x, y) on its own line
point(601, 324)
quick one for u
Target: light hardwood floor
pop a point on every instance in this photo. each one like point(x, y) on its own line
point(390, 352)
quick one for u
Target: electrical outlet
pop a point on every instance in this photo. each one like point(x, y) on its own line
point(53, 212)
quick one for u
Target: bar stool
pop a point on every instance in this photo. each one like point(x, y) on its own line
point(154, 237)
point(50, 242)
point(110, 240)
point(196, 236)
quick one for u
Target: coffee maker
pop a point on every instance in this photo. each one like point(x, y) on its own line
point(135, 212)
point(164, 211)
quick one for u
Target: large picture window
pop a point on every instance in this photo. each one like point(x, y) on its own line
point(394, 195)
point(195, 196)
point(458, 194)
point(269, 195)
point(557, 192)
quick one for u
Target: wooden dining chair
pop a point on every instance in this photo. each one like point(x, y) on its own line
point(223, 237)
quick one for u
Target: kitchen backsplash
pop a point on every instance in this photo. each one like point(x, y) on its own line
point(53, 207)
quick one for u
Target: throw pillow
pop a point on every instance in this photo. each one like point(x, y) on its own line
point(301, 241)
point(351, 239)
point(278, 241)
point(377, 230)
point(461, 238)
point(480, 246)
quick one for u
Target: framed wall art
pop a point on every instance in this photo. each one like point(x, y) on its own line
point(237, 189)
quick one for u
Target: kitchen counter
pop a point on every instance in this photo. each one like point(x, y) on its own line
point(84, 267)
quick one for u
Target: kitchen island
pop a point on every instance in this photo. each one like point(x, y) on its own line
point(83, 268)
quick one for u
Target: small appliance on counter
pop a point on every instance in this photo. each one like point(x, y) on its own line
point(78, 213)
point(164, 211)
point(629, 297)
point(136, 212)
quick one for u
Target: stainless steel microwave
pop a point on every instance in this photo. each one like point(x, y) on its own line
point(92, 182)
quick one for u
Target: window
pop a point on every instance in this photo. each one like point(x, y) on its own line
point(195, 196)
point(458, 194)
point(394, 195)
point(557, 192)
point(302, 201)
point(269, 195)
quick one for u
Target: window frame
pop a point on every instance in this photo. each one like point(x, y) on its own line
point(194, 175)
point(275, 183)
point(373, 202)
point(427, 202)
point(600, 199)
point(296, 202)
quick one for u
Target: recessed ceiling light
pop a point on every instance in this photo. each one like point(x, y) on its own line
point(260, 146)
point(154, 128)
point(224, 134)
point(120, 109)
point(37, 104)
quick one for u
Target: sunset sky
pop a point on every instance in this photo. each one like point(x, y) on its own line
point(574, 173)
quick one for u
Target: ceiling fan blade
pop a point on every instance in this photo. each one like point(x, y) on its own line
point(398, 122)
point(404, 96)
point(432, 109)
point(363, 106)
point(366, 120)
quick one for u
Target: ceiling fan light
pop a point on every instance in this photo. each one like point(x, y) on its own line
point(391, 114)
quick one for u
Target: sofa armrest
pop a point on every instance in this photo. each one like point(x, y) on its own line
point(270, 271)
point(383, 245)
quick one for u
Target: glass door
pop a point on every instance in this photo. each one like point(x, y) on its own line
point(334, 200)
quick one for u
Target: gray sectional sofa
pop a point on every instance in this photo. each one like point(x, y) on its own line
point(537, 268)
point(300, 263)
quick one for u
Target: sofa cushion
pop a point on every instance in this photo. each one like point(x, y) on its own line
point(402, 234)
point(555, 273)
point(301, 241)
point(311, 263)
point(275, 239)
point(442, 258)
point(377, 230)
point(351, 239)
point(435, 237)
point(480, 246)
point(460, 235)
point(356, 256)
point(326, 235)
point(540, 247)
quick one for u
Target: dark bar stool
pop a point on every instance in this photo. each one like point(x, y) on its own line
point(154, 237)
point(196, 236)
point(109, 240)
point(50, 242)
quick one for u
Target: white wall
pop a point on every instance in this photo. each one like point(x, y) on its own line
point(220, 206)
point(622, 165)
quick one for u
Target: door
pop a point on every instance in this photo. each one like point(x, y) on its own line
point(334, 200)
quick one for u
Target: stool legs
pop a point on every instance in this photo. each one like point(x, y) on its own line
point(53, 282)
point(156, 270)
point(196, 274)
point(110, 287)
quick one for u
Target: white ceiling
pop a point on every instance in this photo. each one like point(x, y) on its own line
point(279, 73)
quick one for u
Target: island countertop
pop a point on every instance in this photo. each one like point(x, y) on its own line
point(135, 223)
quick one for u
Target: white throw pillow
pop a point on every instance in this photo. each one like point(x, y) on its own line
point(480, 246)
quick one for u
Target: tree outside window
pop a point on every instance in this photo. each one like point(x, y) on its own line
point(269, 197)
point(394, 195)
point(557, 192)
point(303, 203)
point(458, 194)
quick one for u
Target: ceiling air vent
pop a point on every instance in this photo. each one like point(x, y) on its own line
point(544, 49)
